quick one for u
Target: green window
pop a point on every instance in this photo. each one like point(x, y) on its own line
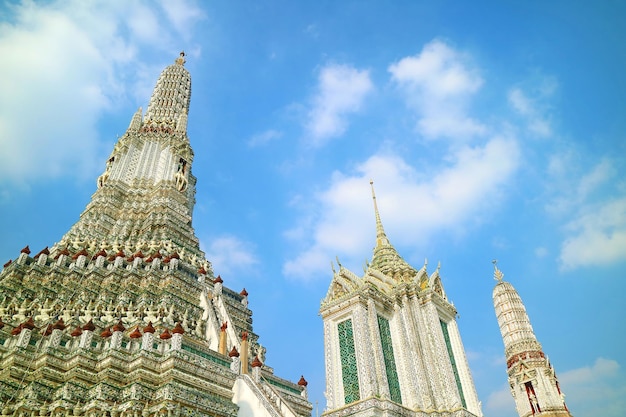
point(446, 336)
point(390, 362)
point(349, 372)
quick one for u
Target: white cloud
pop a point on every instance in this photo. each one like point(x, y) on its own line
point(71, 61)
point(591, 181)
point(541, 252)
point(230, 255)
point(264, 138)
point(537, 123)
point(596, 390)
point(183, 15)
point(500, 403)
point(413, 207)
point(592, 206)
point(437, 83)
point(597, 236)
point(341, 90)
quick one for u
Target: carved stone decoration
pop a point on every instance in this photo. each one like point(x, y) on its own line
point(130, 324)
point(409, 356)
point(533, 382)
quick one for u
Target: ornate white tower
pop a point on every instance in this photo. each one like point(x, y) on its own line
point(124, 316)
point(391, 341)
point(145, 196)
point(532, 379)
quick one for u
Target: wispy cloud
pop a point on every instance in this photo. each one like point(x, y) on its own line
point(413, 207)
point(72, 61)
point(464, 184)
point(501, 403)
point(264, 138)
point(533, 110)
point(230, 255)
point(340, 91)
point(591, 204)
point(597, 236)
point(437, 84)
point(596, 390)
point(183, 15)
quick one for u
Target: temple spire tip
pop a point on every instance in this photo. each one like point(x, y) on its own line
point(381, 237)
point(497, 274)
point(181, 58)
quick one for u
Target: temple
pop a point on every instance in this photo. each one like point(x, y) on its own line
point(391, 342)
point(532, 378)
point(124, 315)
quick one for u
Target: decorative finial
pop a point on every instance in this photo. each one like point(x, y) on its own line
point(181, 59)
point(381, 237)
point(497, 274)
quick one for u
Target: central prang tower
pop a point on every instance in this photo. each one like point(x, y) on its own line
point(391, 342)
point(124, 315)
point(145, 197)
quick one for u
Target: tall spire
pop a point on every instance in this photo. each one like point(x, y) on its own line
point(171, 97)
point(146, 194)
point(517, 332)
point(381, 237)
point(385, 258)
point(533, 382)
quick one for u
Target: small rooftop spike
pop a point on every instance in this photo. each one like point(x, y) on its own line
point(119, 327)
point(83, 252)
point(89, 326)
point(149, 328)
point(44, 251)
point(16, 331)
point(62, 252)
point(47, 331)
point(135, 334)
point(29, 324)
point(178, 329)
point(234, 353)
point(59, 325)
point(76, 332)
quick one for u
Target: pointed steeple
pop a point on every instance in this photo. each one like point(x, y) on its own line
point(146, 194)
point(381, 237)
point(171, 97)
point(385, 258)
point(533, 383)
point(517, 332)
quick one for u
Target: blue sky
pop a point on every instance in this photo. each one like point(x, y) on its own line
point(492, 130)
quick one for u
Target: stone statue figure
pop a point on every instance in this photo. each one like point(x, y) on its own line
point(181, 175)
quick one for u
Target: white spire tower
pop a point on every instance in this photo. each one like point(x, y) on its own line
point(391, 342)
point(532, 379)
